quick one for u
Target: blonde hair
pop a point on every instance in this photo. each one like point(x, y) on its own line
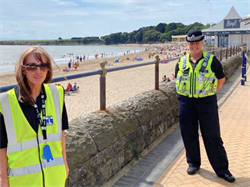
point(23, 86)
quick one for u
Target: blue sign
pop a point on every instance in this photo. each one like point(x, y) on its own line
point(49, 120)
point(231, 23)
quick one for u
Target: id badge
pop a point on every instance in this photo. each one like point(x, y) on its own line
point(49, 120)
point(47, 153)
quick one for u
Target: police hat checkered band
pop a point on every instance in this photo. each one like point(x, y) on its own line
point(194, 38)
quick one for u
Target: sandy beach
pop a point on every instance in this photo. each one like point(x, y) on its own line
point(120, 85)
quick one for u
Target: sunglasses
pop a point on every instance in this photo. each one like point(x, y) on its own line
point(33, 66)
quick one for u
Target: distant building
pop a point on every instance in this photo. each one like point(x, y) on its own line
point(178, 38)
point(246, 20)
point(232, 30)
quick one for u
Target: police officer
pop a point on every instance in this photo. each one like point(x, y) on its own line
point(199, 76)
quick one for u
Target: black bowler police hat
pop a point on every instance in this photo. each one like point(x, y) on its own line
point(194, 36)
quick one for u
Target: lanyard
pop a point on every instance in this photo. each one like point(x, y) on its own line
point(42, 121)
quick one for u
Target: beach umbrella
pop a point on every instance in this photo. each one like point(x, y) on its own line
point(138, 58)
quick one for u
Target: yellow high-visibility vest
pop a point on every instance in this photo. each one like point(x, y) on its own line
point(26, 165)
point(197, 83)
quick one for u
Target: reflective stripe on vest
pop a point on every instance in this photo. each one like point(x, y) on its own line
point(204, 92)
point(184, 62)
point(32, 143)
point(13, 146)
point(183, 78)
point(205, 78)
point(35, 168)
point(56, 99)
point(8, 118)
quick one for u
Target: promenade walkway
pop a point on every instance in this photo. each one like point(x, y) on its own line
point(165, 165)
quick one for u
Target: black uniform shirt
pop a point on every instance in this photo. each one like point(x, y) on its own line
point(216, 67)
point(31, 116)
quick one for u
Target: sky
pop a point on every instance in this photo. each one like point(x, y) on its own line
point(51, 19)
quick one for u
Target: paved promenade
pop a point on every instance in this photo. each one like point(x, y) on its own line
point(234, 113)
point(165, 164)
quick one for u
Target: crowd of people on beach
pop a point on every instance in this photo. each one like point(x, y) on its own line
point(167, 79)
point(81, 58)
point(172, 50)
point(168, 50)
point(72, 64)
point(70, 88)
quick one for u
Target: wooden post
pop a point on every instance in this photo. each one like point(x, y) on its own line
point(220, 53)
point(103, 86)
point(226, 52)
point(157, 72)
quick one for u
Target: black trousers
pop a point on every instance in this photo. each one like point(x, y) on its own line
point(202, 111)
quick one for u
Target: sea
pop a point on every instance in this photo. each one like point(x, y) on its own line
point(9, 54)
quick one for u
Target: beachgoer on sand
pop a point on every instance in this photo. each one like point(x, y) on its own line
point(69, 65)
point(69, 88)
point(65, 69)
point(75, 88)
point(164, 78)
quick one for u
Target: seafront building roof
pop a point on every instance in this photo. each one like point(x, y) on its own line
point(246, 20)
point(179, 36)
point(231, 24)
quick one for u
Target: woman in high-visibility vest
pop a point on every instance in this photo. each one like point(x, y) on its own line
point(199, 76)
point(33, 118)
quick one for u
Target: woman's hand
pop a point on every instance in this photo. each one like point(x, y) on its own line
point(4, 182)
point(64, 154)
point(67, 169)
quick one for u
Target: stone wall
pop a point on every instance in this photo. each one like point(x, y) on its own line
point(231, 65)
point(101, 143)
